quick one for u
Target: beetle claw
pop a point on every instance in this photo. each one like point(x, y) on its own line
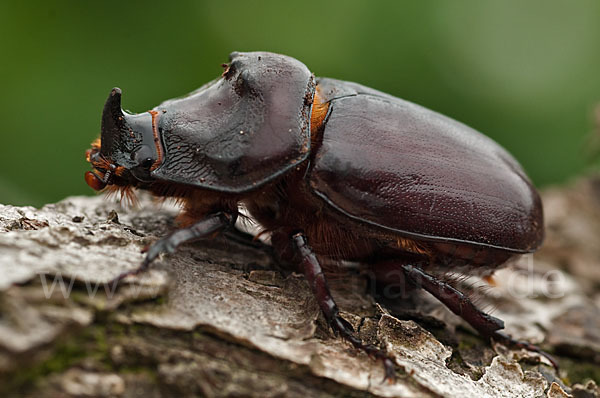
point(390, 371)
point(144, 266)
point(346, 331)
point(339, 324)
point(509, 341)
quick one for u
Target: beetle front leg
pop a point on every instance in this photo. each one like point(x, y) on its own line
point(487, 325)
point(204, 228)
point(318, 284)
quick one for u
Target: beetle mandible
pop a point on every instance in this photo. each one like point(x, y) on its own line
point(331, 169)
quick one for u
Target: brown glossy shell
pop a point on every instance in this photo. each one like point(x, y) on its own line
point(242, 130)
point(401, 167)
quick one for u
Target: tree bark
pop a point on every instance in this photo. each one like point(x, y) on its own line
point(220, 318)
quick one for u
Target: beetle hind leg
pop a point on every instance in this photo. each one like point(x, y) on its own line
point(316, 279)
point(485, 324)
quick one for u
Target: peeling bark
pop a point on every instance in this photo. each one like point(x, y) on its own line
point(220, 318)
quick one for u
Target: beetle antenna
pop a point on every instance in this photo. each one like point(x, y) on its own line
point(107, 176)
point(109, 173)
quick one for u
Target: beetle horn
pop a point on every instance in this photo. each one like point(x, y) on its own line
point(113, 121)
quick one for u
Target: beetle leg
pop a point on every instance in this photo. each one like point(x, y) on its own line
point(455, 300)
point(247, 239)
point(487, 325)
point(318, 284)
point(505, 339)
point(204, 228)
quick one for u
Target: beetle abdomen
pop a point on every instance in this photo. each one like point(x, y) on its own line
point(472, 256)
point(399, 166)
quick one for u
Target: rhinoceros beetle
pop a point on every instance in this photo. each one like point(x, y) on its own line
point(331, 169)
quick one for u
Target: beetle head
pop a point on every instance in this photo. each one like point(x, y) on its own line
point(126, 151)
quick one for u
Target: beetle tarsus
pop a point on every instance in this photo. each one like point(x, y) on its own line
point(316, 279)
point(143, 267)
point(505, 339)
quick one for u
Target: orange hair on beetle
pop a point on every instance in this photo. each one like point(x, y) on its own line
point(126, 192)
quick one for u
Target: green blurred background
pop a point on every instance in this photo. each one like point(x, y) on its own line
point(526, 73)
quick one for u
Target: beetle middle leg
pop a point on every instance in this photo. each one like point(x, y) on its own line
point(485, 324)
point(208, 226)
point(246, 239)
point(316, 279)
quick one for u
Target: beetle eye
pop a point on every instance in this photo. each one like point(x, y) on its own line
point(147, 163)
point(142, 156)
